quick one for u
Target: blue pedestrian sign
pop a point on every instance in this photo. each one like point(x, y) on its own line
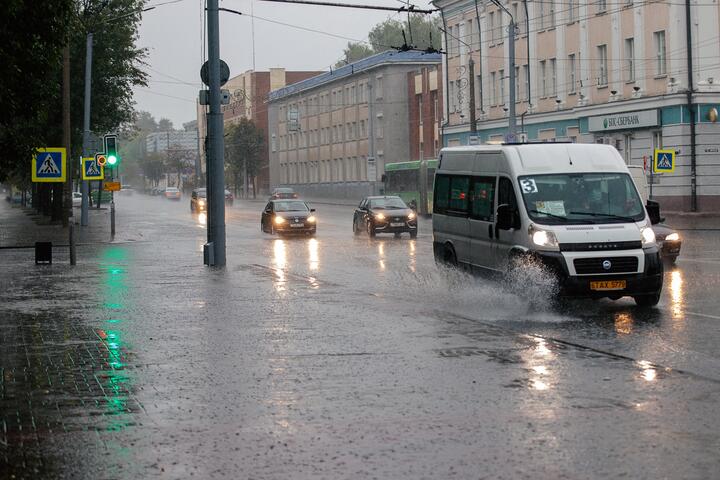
point(664, 161)
point(91, 170)
point(49, 165)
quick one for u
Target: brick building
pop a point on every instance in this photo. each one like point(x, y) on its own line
point(425, 111)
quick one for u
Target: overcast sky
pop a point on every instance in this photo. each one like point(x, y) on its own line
point(172, 33)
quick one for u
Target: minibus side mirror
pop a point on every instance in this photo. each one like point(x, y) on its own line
point(653, 210)
point(504, 217)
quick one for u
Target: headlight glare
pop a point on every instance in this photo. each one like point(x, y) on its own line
point(648, 236)
point(673, 237)
point(543, 238)
point(379, 216)
point(411, 216)
point(311, 219)
point(279, 220)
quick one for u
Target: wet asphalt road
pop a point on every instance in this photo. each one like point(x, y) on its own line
point(343, 357)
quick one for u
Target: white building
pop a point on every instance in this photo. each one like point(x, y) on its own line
point(610, 72)
point(162, 141)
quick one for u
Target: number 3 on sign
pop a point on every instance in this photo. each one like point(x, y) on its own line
point(528, 186)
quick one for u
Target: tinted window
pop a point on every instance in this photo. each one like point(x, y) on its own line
point(459, 189)
point(442, 193)
point(483, 195)
point(506, 196)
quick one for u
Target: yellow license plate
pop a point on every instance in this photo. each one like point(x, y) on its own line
point(608, 285)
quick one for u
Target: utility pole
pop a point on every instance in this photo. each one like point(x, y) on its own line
point(215, 144)
point(512, 124)
point(471, 74)
point(66, 198)
point(86, 126)
point(371, 137)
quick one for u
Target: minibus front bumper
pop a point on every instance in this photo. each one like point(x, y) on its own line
point(648, 282)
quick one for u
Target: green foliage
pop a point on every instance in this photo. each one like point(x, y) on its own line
point(421, 32)
point(30, 92)
point(243, 144)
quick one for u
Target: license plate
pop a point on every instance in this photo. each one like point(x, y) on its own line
point(609, 285)
point(397, 224)
point(297, 225)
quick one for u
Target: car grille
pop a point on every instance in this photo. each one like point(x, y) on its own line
point(600, 246)
point(586, 266)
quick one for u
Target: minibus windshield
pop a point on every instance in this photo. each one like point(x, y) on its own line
point(581, 198)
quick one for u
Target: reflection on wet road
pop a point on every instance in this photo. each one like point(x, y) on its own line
point(342, 356)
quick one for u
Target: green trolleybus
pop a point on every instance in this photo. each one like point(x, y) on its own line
point(412, 181)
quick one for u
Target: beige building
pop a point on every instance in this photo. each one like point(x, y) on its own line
point(331, 135)
point(609, 72)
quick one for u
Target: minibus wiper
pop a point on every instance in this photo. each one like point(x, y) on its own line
point(564, 219)
point(607, 215)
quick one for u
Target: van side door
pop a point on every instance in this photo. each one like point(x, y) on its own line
point(450, 219)
point(506, 239)
point(482, 221)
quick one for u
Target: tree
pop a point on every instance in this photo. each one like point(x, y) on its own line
point(421, 32)
point(244, 142)
point(153, 167)
point(165, 125)
point(178, 159)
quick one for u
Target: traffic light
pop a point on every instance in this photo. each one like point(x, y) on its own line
point(111, 150)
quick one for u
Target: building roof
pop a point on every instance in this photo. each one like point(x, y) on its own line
point(374, 61)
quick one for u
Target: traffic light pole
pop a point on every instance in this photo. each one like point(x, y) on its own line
point(215, 144)
point(86, 127)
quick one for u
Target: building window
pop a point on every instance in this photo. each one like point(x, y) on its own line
point(571, 73)
point(435, 107)
point(526, 79)
point(501, 80)
point(273, 142)
point(491, 27)
point(478, 93)
point(602, 79)
point(379, 129)
point(543, 79)
point(469, 34)
point(553, 73)
point(420, 109)
point(630, 59)
point(628, 148)
point(601, 6)
point(517, 84)
point(572, 8)
point(552, 14)
point(660, 68)
point(493, 86)
point(542, 14)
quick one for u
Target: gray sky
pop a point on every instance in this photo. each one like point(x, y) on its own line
point(172, 33)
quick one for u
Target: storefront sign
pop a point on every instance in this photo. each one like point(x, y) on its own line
point(623, 121)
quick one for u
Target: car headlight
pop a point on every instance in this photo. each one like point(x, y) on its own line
point(279, 220)
point(673, 237)
point(379, 216)
point(311, 219)
point(411, 216)
point(648, 236)
point(543, 238)
point(201, 202)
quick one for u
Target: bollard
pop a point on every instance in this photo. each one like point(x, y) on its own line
point(72, 244)
point(112, 219)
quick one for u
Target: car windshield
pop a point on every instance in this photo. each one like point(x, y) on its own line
point(284, 190)
point(171, 189)
point(387, 202)
point(201, 193)
point(582, 198)
point(291, 207)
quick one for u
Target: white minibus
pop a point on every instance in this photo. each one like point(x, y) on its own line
point(573, 207)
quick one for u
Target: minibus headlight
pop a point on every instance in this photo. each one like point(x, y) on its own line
point(543, 238)
point(673, 237)
point(648, 236)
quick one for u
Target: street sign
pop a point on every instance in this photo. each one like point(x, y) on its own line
point(91, 170)
point(664, 161)
point(111, 186)
point(224, 73)
point(101, 159)
point(49, 165)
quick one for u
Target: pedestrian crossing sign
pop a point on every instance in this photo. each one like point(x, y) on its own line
point(49, 165)
point(91, 170)
point(664, 161)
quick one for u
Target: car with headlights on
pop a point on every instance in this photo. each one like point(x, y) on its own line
point(288, 216)
point(384, 214)
point(198, 200)
point(668, 241)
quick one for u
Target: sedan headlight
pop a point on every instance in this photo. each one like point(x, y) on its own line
point(543, 238)
point(379, 216)
point(411, 216)
point(311, 219)
point(201, 202)
point(673, 237)
point(279, 220)
point(648, 236)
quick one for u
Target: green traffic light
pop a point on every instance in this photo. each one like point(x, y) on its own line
point(112, 159)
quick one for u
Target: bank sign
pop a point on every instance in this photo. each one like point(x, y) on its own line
point(623, 121)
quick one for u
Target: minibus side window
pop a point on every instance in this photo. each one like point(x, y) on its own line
point(506, 196)
point(442, 193)
point(459, 190)
point(483, 198)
